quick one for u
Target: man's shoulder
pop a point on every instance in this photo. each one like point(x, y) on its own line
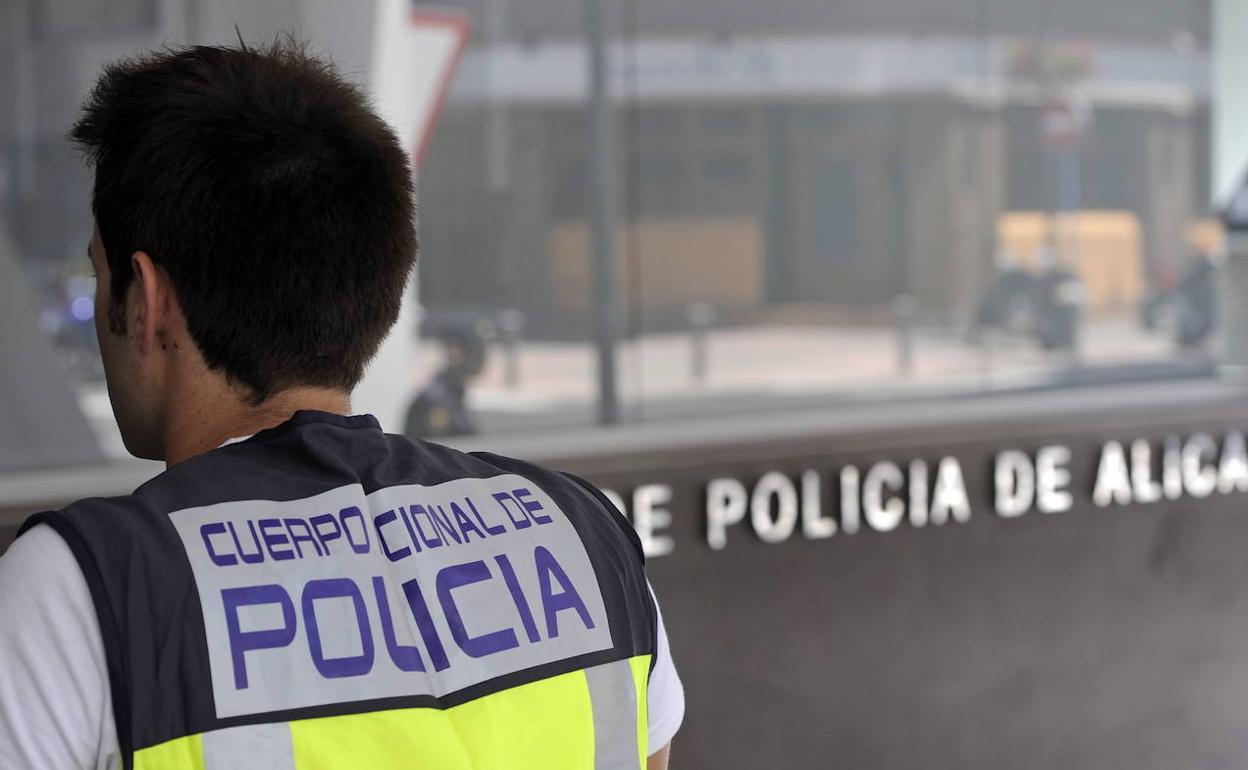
point(547, 477)
point(580, 493)
point(98, 509)
point(38, 549)
point(516, 465)
point(92, 528)
point(450, 462)
point(41, 582)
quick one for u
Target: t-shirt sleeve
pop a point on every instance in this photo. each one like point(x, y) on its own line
point(55, 703)
point(666, 695)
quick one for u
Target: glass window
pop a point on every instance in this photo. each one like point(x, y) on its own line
point(1006, 192)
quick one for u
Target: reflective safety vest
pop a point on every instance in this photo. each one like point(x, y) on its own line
point(324, 595)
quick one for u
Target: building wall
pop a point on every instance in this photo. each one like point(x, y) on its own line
point(849, 203)
point(1099, 636)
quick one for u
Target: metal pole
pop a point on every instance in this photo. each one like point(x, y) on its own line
point(600, 154)
point(510, 326)
point(905, 310)
point(701, 316)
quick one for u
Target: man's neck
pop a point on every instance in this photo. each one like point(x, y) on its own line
point(215, 420)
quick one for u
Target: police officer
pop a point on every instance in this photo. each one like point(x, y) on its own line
point(299, 589)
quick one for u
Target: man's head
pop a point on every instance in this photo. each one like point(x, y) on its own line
point(249, 206)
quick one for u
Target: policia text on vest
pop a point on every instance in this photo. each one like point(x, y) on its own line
point(496, 559)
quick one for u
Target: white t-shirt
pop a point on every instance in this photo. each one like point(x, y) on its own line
point(56, 709)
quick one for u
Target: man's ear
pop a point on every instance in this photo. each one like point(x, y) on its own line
point(153, 295)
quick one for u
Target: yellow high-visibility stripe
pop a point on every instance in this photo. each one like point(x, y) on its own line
point(543, 725)
point(179, 754)
point(641, 680)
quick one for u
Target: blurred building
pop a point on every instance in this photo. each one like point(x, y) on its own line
point(771, 157)
point(816, 159)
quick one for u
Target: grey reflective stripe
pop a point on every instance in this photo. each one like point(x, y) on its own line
point(259, 747)
point(614, 700)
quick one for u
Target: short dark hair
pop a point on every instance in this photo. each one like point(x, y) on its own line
point(279, 203)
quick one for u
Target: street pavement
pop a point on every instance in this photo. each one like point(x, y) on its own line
point(763, 368)
point(769, 368)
